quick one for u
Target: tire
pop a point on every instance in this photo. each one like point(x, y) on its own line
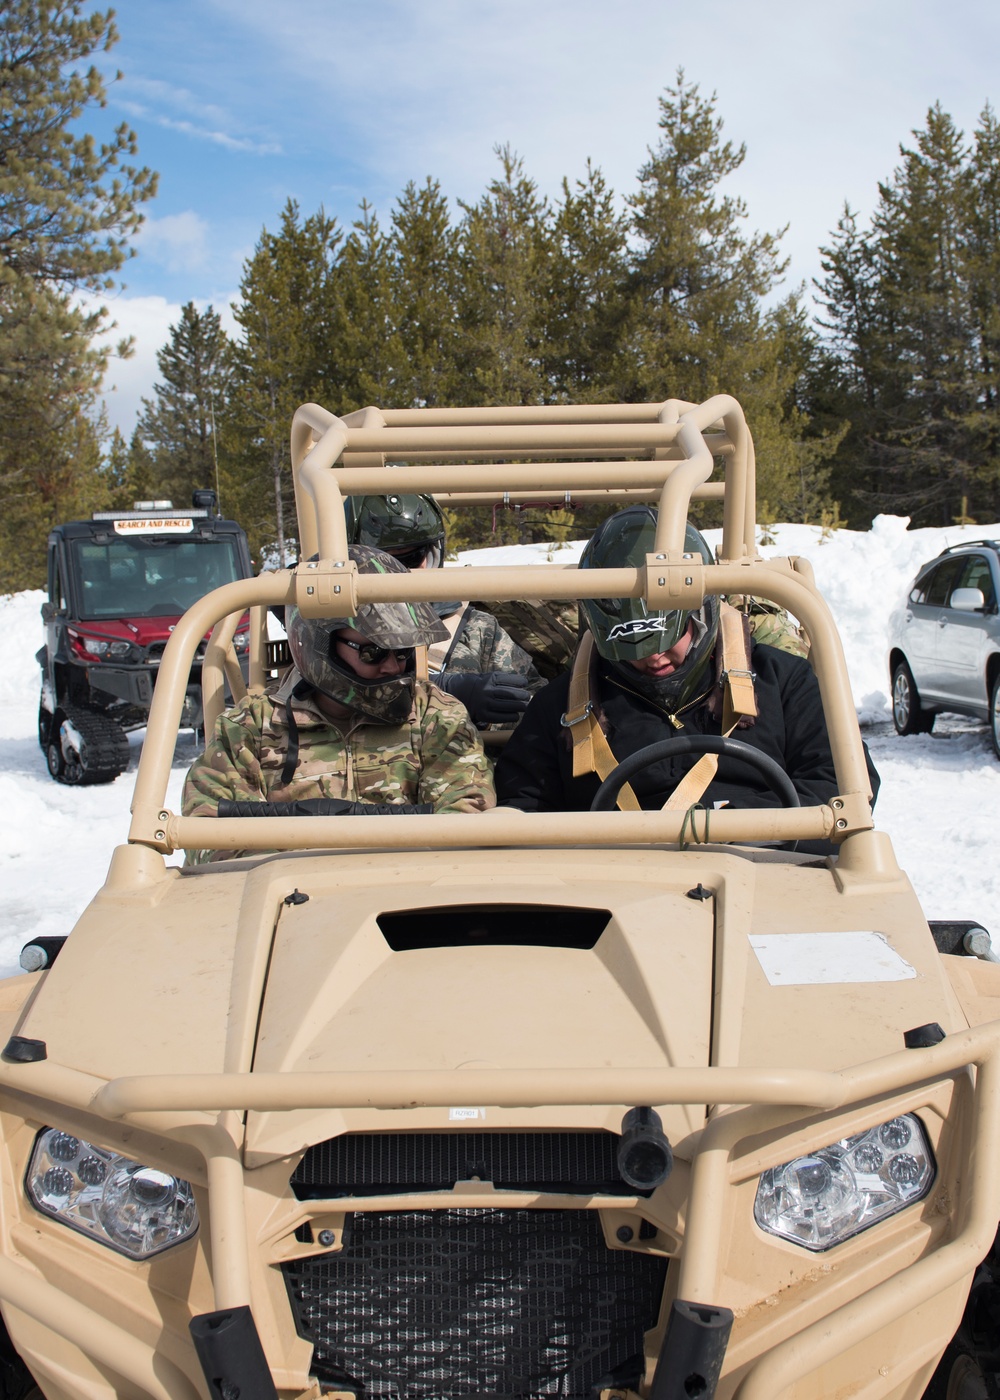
point(908, 715)
point(103, 752)
point(995, 714)
point(967, 1370)
point(959, 1376)
point(16, 1381)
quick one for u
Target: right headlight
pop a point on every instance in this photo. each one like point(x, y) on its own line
point(823, 1198)
point(138, 1211)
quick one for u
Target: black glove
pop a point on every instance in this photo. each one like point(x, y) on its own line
point(493, 697)
point(322, 807)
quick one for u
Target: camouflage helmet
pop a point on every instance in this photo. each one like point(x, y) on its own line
point(409, 527)
point(623, 628)
point(395, 626)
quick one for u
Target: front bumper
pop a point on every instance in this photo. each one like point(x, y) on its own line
point(770, 1356)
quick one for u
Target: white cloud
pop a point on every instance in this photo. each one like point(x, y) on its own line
point(177, 242)
point(204, 121)
point(220, 138)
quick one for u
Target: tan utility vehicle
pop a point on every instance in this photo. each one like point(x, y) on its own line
point(505, 1105)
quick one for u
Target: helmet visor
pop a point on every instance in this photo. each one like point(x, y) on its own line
point(624, 629)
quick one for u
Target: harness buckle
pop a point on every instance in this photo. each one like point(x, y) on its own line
point(568, 723)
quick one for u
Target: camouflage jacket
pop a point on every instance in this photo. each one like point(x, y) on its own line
point(435, 756)
point(771, 625)
point(481, 645)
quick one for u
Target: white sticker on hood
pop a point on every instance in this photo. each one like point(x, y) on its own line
point(811, 959)
point(466, 1115)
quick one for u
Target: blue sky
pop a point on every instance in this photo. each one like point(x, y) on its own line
point(241, 104)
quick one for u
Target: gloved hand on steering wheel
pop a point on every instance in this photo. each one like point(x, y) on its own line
point(491, 697)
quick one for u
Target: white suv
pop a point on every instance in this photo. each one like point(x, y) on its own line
point(944, 642)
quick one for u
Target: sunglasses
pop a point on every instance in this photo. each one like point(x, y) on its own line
point(372, 655)
point(412, 558)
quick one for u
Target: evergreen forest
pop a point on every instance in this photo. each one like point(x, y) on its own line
point(875, 390)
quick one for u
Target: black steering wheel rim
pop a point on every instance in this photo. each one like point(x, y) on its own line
point(773, 774)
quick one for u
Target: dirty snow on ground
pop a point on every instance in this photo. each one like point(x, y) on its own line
point(940, 797)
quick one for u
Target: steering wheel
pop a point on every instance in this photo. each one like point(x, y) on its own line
point(773, 774)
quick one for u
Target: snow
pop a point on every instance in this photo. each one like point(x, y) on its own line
point(939, 801)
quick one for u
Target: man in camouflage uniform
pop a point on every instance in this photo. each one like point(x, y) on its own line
point(476, 660)
point(350, 722)
point(770, 625)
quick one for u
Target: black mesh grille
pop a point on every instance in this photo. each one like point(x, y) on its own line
point(374, 1164)
point(432, 1305)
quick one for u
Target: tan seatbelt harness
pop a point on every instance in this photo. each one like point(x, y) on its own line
point(591, 750)
point(739, 702)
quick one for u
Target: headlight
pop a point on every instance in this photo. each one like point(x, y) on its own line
point(138, 1211)
point(824, 1198)
point(241, 641)
point(97, 646)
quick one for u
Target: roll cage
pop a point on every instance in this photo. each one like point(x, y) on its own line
point(665, 453)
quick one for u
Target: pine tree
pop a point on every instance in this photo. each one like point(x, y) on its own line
point(425, 295)
point(68, 206)
point(281, 360)
point(983, 272)
point(179, 425)
point(920, 227)
point(587, 310)
point(366, 346)
point(697, 278)
point(697, 286)
point(505, 256)
point(127, 471)
point(854, 378)
point(50, 443)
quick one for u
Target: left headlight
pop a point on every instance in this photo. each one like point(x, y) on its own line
point(138, 1211)
point(821, 1199)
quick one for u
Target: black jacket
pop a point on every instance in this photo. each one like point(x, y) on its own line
point(535, 770)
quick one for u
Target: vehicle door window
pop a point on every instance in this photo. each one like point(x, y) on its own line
point(57, 594)
point(938, 587)
point(976, 574)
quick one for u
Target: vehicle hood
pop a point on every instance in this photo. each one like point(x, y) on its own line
point(227, 969)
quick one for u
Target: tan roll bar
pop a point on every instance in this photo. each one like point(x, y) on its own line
point(687, 441)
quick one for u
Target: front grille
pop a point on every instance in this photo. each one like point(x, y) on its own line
point(376, 1164)
point(433, 1305)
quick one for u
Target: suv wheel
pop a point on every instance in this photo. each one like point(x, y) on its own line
point(995, 714)
point(908, 715)
point(96, 751)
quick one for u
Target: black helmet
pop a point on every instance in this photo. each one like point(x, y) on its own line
point(409, 527)
point(623, 628)
point(395, 626)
